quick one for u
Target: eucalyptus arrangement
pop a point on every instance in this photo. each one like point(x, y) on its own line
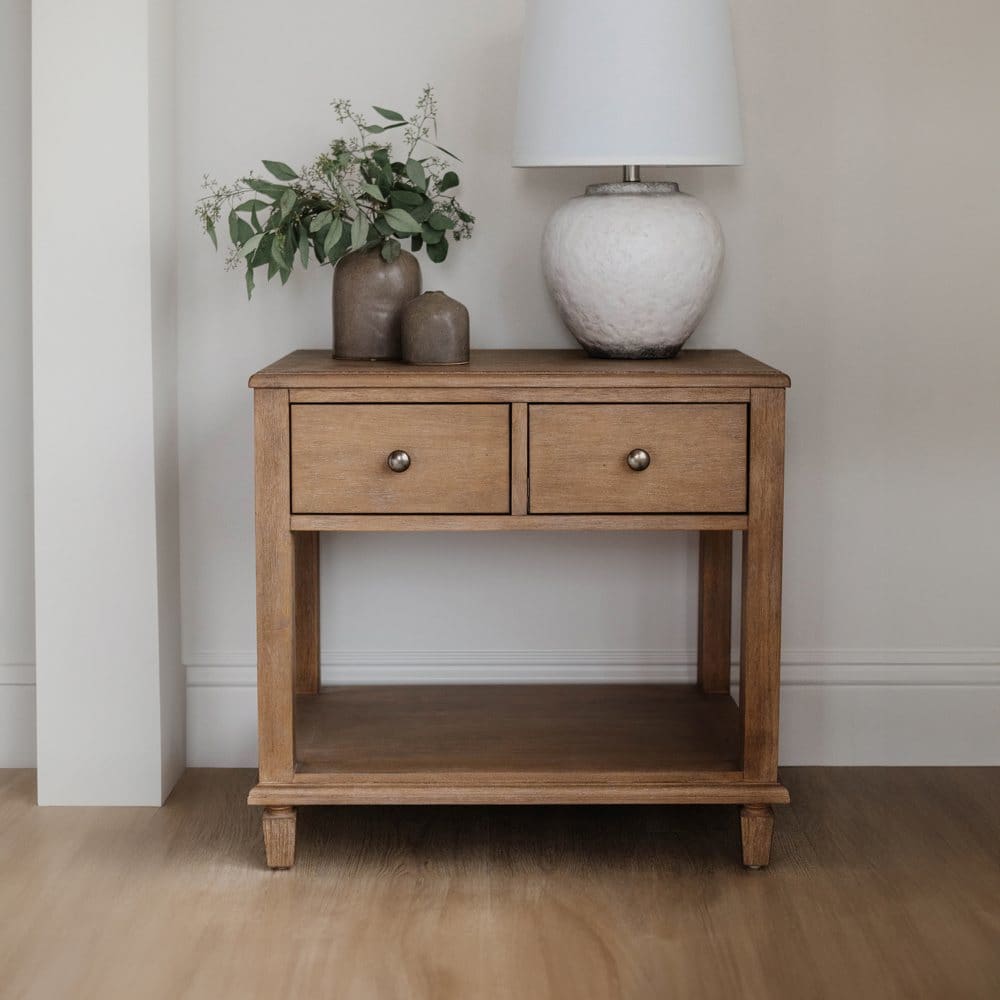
point(357, 195)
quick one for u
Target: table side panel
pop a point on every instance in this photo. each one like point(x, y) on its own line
point(275, 587)
point(760, 633)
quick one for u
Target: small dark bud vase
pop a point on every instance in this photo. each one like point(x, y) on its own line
point(435, 331)
point(368, 299)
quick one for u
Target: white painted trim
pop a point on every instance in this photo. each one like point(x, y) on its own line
point(951, 668)
point(17, 715)
point(17, 675)
point(839, 707)
point(825, 668)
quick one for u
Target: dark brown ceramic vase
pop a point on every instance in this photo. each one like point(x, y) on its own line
point(368, 299)
point(435, 331)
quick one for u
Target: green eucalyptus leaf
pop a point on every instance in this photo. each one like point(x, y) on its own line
point(333, 236)
point(383, 227)
point(415, 171)
point(343, 245)
point(285, 273)
point(244, 232)
point(251, 244)
point(348, 197)
point(210, 229)
point(272, 269)
point(304, 246)
point(321, 220)
point(438, 251)
point(373, 191)
point(401, 220)
point(338, 251)
point(262, 255)
point(359, 232)
point(447, 152)
point(269, 188)
point(249, 280)
point(449, 181)
point(431, 235)
point(233, 219)
point(391, 250)
point(278, 253)
point(373, 129)
point(423, 211)
point(252, 206)
point(400, 198)
point(441, 221)
point(416, 244)
point(274, 219)
point(280, 170)
point(392, 116)
point(287, 203)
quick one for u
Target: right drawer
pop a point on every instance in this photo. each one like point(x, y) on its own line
point(579, 458)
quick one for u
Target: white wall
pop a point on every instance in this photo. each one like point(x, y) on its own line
point(862, 257)
point(17, 609)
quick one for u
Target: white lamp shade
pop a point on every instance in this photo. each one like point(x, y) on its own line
point(647, 82)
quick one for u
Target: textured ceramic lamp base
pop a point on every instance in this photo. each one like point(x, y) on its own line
point(632, 268)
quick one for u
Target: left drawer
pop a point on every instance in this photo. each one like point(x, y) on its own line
point(451, 458)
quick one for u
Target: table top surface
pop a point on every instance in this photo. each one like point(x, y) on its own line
point(317, 369)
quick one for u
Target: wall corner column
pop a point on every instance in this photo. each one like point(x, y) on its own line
point(110, 687)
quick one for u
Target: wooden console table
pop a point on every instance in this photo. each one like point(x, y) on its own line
point(520, 441)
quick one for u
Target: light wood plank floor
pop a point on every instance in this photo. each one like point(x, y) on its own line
point(884, 883)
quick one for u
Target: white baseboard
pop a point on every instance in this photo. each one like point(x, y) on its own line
point(839, 707)
point(17, 715)
point(895, 707)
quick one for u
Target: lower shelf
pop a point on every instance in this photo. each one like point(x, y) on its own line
point(516, 744)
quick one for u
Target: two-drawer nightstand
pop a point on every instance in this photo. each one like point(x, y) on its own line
point(520, 441)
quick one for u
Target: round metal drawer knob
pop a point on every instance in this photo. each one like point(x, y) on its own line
point(398, 461)
point(638, 459)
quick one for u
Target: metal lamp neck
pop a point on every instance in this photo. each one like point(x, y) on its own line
point(631, 174)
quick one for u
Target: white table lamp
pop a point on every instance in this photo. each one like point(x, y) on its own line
point(632, 266)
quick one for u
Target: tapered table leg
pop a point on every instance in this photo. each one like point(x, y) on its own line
point(279, 836)
point(756, 829)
